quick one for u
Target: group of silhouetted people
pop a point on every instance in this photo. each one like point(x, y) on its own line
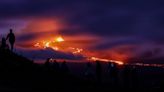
point(11, 38)
point(112, 71)
point(128, 74)
point(53, 65)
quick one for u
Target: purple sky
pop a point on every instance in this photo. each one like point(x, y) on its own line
point(121, 27)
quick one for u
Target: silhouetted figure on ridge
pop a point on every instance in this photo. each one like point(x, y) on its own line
point(134, 77)
point(126, 76)
point(55, 66)
point(11, 38)
point(113, 73)
point(47, 63)
point(88, 71)
point(64, 67)
point(98, 71)
point(109, 68)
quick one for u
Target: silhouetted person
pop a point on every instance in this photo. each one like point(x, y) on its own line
point(88, 71)
point(3, 43)
point(98, 71)
point(134, 77)
point(126, 76)
point(64, 67)
point(56, 65)
point(11, 38)
point(113, 73)
point(47, 63)
point(109, 70)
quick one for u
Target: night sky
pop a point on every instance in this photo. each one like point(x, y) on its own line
point(110, 29)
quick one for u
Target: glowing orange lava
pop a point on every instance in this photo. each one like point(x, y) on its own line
point(106, 60)
point(59, 39)
point(47, 44)
point(59, 44)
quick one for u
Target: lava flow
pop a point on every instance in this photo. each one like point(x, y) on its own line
point(106, 60)
point(59, 44)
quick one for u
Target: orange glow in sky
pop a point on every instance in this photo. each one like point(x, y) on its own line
point(78, 44)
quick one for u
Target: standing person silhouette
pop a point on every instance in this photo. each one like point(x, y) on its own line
point(88, 71)
point(11, 38)
point(98, 71)
point(64, 67)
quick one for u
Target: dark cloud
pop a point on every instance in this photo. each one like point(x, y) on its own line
point(109, 44)
point(105, 18)
point(28, 37)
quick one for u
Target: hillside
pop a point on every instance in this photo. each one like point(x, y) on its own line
point(20, 74)
point(17, 73)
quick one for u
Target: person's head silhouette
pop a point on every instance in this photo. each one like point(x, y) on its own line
point(11, 30)
point(88, 64)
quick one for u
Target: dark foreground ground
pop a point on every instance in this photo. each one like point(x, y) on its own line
point(20, 74)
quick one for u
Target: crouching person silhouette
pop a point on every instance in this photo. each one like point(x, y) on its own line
point(3, 43)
